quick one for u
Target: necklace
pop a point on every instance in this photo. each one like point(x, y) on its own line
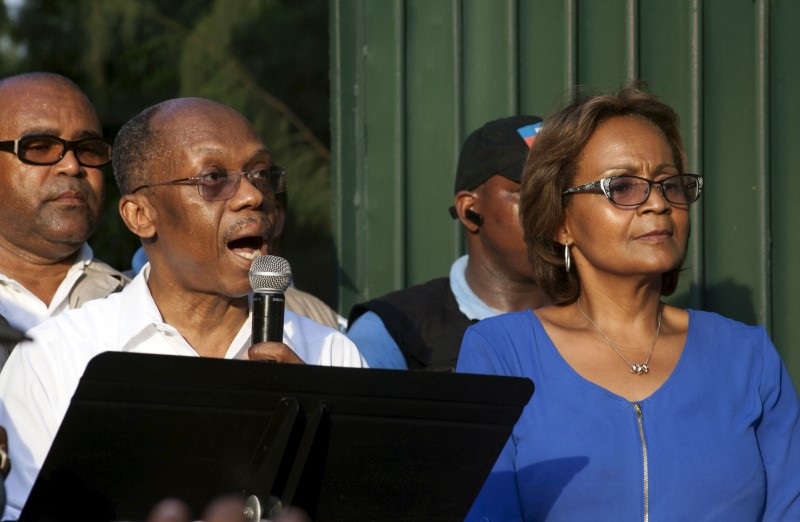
point(636, 369)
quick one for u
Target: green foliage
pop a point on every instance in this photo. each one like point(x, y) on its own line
point(9, 52)
point(266, 58)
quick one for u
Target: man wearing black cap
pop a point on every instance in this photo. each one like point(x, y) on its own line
point(421, 327)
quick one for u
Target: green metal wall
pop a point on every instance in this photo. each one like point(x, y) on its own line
point(410, 78)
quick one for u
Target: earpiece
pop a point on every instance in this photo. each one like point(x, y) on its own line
point(474, 217)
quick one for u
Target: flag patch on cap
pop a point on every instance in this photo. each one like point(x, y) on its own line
point(529, 132)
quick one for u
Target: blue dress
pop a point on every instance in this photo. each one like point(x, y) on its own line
point(719, 440)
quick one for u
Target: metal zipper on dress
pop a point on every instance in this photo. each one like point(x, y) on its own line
point(640, 424)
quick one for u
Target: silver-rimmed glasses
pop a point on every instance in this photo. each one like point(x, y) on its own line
point(223, 184)
point(630, 191)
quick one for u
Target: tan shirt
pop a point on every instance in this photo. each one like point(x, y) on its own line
point(305, 304)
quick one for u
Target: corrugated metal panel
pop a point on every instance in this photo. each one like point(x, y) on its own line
point(433, 90)
point(784, 166)
point(412, 77)
point(732, 205)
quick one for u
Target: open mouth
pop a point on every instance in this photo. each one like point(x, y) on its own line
point(249, 247)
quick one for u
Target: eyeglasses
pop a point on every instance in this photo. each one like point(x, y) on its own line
point(222, 184)
point(92, 151)
point(630, 191)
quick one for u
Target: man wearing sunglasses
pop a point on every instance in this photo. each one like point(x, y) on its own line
point(51, 154)
point(198, 187)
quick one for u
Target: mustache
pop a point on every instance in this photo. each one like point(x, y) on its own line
point(241, 223)
point(61, 186)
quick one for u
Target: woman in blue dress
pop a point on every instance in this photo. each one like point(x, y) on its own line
point(642, 410)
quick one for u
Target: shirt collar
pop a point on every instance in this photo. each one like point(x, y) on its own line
point(141, 315)
point(138, 311)
point(468, 302)
point(85, 256)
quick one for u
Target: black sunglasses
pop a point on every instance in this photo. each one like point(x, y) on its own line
point(93, 151)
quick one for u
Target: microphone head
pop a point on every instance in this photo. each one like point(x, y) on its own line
point(270, 274)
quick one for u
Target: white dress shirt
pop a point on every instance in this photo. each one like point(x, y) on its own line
point(24, 310)
point(40, 377)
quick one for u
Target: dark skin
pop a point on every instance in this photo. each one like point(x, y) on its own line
point(498, 270)
point(200, 251)
point(49, 211)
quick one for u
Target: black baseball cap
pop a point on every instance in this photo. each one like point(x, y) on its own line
point(497, 148)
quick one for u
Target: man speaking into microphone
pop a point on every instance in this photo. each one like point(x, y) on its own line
point(198, 188)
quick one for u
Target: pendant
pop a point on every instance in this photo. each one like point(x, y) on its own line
point(639, 369)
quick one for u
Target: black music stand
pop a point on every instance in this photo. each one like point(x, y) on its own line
point(342, 443)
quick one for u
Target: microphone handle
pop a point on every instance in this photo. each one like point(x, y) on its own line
point(268, 317)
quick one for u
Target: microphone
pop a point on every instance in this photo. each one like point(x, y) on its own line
point(270, 276)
